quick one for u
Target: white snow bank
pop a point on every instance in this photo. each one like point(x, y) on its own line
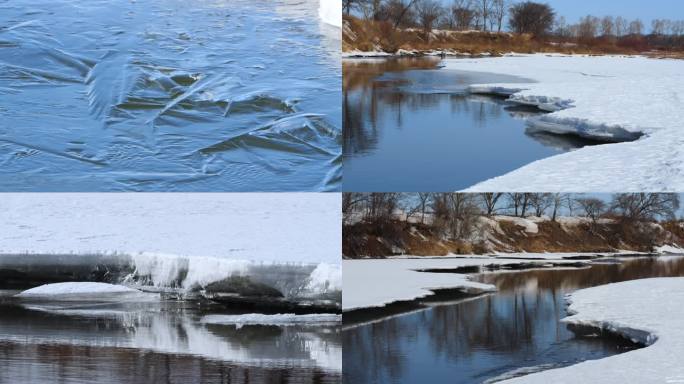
point(284, 227)
point(670, 249)
point(291, 278)
point(330, 12)
point(605, 98)
point(528, 223)
point(81, 290)
point(378, 282)
point(649, 311)
point(282, 319)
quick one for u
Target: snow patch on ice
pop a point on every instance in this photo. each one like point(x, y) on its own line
point(378, 282)
point(277, 319)
point(82, 291)
point(670, 249)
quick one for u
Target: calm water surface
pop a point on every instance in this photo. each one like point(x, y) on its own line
point(506, 333)
point(160, 342)
point(411, 126)
point(168, 95)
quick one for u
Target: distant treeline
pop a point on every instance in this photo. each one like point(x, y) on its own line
point(450, 207)
point(538, 20)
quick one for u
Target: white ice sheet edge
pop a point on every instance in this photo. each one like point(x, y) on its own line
point(648, 311)
point(276, 319)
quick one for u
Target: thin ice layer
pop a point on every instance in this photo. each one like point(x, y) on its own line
point(137, 91)
point(282, 319)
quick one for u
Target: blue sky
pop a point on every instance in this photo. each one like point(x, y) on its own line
point(629, 9)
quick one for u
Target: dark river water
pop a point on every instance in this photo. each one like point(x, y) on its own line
point(168, 95)
point(410, 126)
point(507, 333)
point(156, 342)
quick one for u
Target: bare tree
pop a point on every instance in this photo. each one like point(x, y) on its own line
point(456, 214)
point(607, 26)
point(423, 199)
point(380, 206)
point(558, 201)
point(490, 200)
point(620, 26)
point(498, 13)
point(463, 14)
point(524, 204)
point(530, 17)
point(372, 9)
point(588, 28)
point(636, 27)
point(515, 200)
point(350, 201)
point(484, 9)
point(562, 27)
point(540, 202)
point(429, 11)
point(659, 26)
point(645, 206)
point(593, 208)
point(347, 5)
point(400, 12)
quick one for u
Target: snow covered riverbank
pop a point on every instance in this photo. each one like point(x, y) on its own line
point(607, 98)
point(648, 311)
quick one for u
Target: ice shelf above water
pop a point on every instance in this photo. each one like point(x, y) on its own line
point(605, 98)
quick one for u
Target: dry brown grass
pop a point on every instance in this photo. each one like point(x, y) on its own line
point(368, 35)
point(398, 237)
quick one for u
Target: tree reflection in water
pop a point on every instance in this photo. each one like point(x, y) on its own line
point(410, 126)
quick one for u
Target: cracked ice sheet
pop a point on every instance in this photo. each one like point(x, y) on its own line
point(603, 96)
point(649, 310)
point(378, 282)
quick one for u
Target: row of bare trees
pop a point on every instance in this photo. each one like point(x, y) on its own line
point(590, 27)
point(454, 210)
point(537, 19)
point(484, 15)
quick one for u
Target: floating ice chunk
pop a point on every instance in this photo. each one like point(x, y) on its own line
point(282, 319)
point(82, 291)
